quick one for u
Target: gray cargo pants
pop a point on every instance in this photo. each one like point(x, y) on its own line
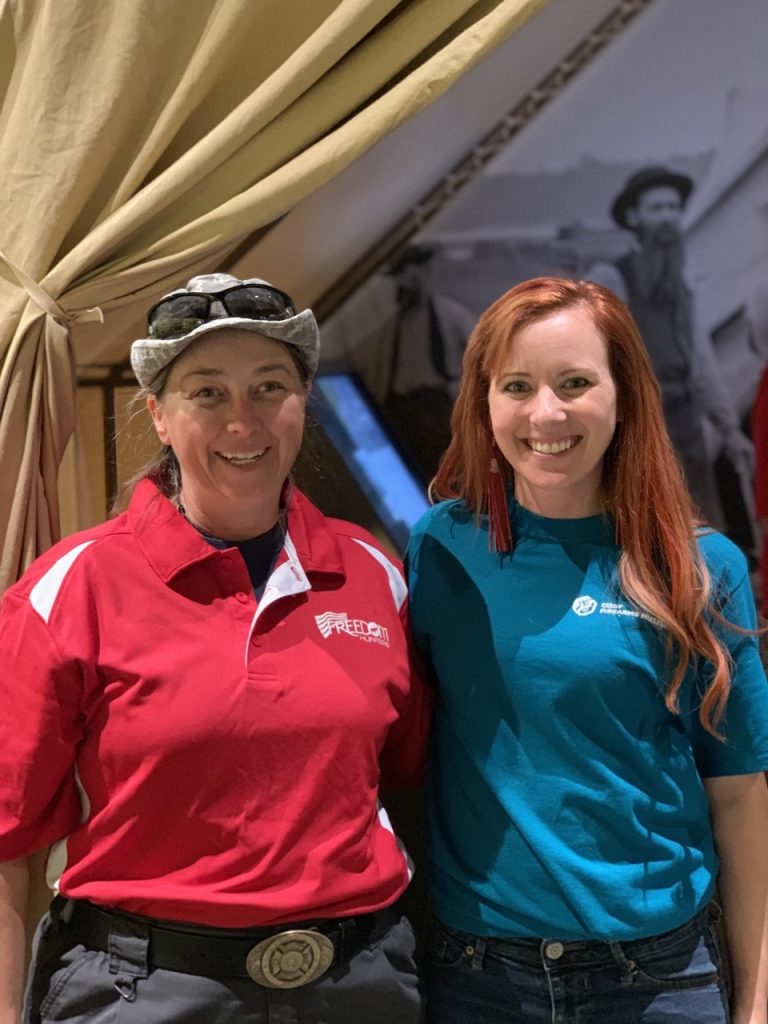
point(74, 984)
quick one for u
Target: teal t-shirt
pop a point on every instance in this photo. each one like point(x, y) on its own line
point(565, 800)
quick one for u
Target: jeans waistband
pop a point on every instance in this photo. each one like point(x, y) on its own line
point(564, 953)
point(221, 952)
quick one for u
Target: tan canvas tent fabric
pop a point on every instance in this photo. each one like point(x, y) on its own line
point(142, 142)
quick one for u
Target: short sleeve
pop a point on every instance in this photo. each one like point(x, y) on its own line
point(745, 724)
point(40, 729)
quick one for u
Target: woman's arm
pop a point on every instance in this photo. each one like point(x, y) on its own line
point(739, 810)
point(14, 890)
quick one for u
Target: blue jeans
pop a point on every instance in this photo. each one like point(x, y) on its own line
point(673, 977)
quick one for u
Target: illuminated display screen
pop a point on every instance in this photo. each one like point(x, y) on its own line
point(348, 417)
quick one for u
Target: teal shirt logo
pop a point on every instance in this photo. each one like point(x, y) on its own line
point(584, 605)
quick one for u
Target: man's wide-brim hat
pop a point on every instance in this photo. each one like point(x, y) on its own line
point(150, 355)
point(641, 181)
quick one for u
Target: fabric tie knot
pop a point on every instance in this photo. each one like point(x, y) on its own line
point(47, 303)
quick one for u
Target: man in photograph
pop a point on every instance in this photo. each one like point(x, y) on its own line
point(430, 335)
point(650, 278)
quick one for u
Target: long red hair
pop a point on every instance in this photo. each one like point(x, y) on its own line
point(660, 568)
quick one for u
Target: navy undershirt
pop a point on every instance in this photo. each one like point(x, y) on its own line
point(259, 553)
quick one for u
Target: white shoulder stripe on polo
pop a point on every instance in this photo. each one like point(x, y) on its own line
point(44, 593)
point(396, 581)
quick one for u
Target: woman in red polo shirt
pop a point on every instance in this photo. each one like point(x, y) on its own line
point(199, 703)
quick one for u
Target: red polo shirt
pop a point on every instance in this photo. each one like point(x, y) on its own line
point(196, 756)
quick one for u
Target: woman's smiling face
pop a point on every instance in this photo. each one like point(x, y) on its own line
point(553, 413)
point(233, 412)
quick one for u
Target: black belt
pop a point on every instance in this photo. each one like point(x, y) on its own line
point(283, 956)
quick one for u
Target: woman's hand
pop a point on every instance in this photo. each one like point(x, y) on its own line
point(739, 810)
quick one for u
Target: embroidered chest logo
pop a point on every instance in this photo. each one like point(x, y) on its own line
point(584, 605)
point(339, 622)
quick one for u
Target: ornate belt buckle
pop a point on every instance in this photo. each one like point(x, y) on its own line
point(290, 959)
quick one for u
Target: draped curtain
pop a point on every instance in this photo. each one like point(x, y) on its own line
point(143, 142)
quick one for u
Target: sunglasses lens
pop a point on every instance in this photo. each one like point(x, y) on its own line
point(257, 303)
point(177, 316)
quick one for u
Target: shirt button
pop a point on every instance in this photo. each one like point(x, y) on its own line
point(554, 950)
point(242, 597)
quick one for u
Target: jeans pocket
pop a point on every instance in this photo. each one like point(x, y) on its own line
point(691, 963)
point(445, 948)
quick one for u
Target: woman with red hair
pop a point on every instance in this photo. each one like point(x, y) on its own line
point(602, 726)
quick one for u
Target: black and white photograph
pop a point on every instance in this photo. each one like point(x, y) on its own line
point(647, 174)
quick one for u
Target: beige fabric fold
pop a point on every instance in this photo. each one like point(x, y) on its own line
point(142, 142)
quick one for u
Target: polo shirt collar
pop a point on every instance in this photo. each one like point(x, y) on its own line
point(171, 544)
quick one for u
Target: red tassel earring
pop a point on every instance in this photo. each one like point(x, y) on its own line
point(499, 530)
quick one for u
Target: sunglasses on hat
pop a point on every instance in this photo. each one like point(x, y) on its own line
point(177, 315)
